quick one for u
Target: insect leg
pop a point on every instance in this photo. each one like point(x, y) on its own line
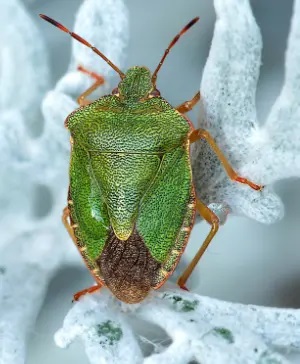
point(85, 291)
point(203, 134)
point(188, 105)
point(82, 99)
point(65, 216)
point(213, 220)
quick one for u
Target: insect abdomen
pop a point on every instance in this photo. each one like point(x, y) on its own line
point(127, 267)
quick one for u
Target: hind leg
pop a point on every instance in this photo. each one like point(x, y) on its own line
point(85, 291)
point(213, 220)
point(65, 220)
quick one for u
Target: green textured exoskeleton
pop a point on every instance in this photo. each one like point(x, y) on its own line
point(131, 186)
point(131, 200)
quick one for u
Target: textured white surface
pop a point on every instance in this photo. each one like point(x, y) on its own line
point(210, 331)
point(24, 77)
point(25, 271)
point(23, 81)
point(262, 154)
point(105, 25)
point(83, 320)
point(33, 248)
point(280, 154)
point(201, 329)
point(23, 255)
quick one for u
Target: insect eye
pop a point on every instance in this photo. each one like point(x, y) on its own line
point(154, 93)
point(115, 91)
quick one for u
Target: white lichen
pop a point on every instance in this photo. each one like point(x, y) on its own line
point(264, 154)
point(199, 328)
point(196, 328)
point(32, 247)
point(24, 78)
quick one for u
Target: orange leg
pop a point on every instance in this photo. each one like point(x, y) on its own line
point(65, 216)
point(203, 134)
point(85, 291)
point(82, 99)
point(213, 220)
point(188, 105)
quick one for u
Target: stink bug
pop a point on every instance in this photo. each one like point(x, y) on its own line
point(131, 201)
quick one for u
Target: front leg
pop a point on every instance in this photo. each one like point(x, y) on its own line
point(99, 80)
point(203, 134)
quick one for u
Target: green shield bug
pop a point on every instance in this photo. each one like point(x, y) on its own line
point(131, 201)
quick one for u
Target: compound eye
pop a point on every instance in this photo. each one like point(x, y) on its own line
point(154, 93)
point(115, 91)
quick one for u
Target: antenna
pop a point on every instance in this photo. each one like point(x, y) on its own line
point(174, 41)
point(83, 41)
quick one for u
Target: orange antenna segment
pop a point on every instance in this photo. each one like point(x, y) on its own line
point(83, 41)
point(174, 41)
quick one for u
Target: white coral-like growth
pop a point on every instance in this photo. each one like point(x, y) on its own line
point(198, 328)
point(33, 248)
point(264, 154)
point(24, 78)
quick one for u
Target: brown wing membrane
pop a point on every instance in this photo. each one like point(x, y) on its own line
point(127, 267)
